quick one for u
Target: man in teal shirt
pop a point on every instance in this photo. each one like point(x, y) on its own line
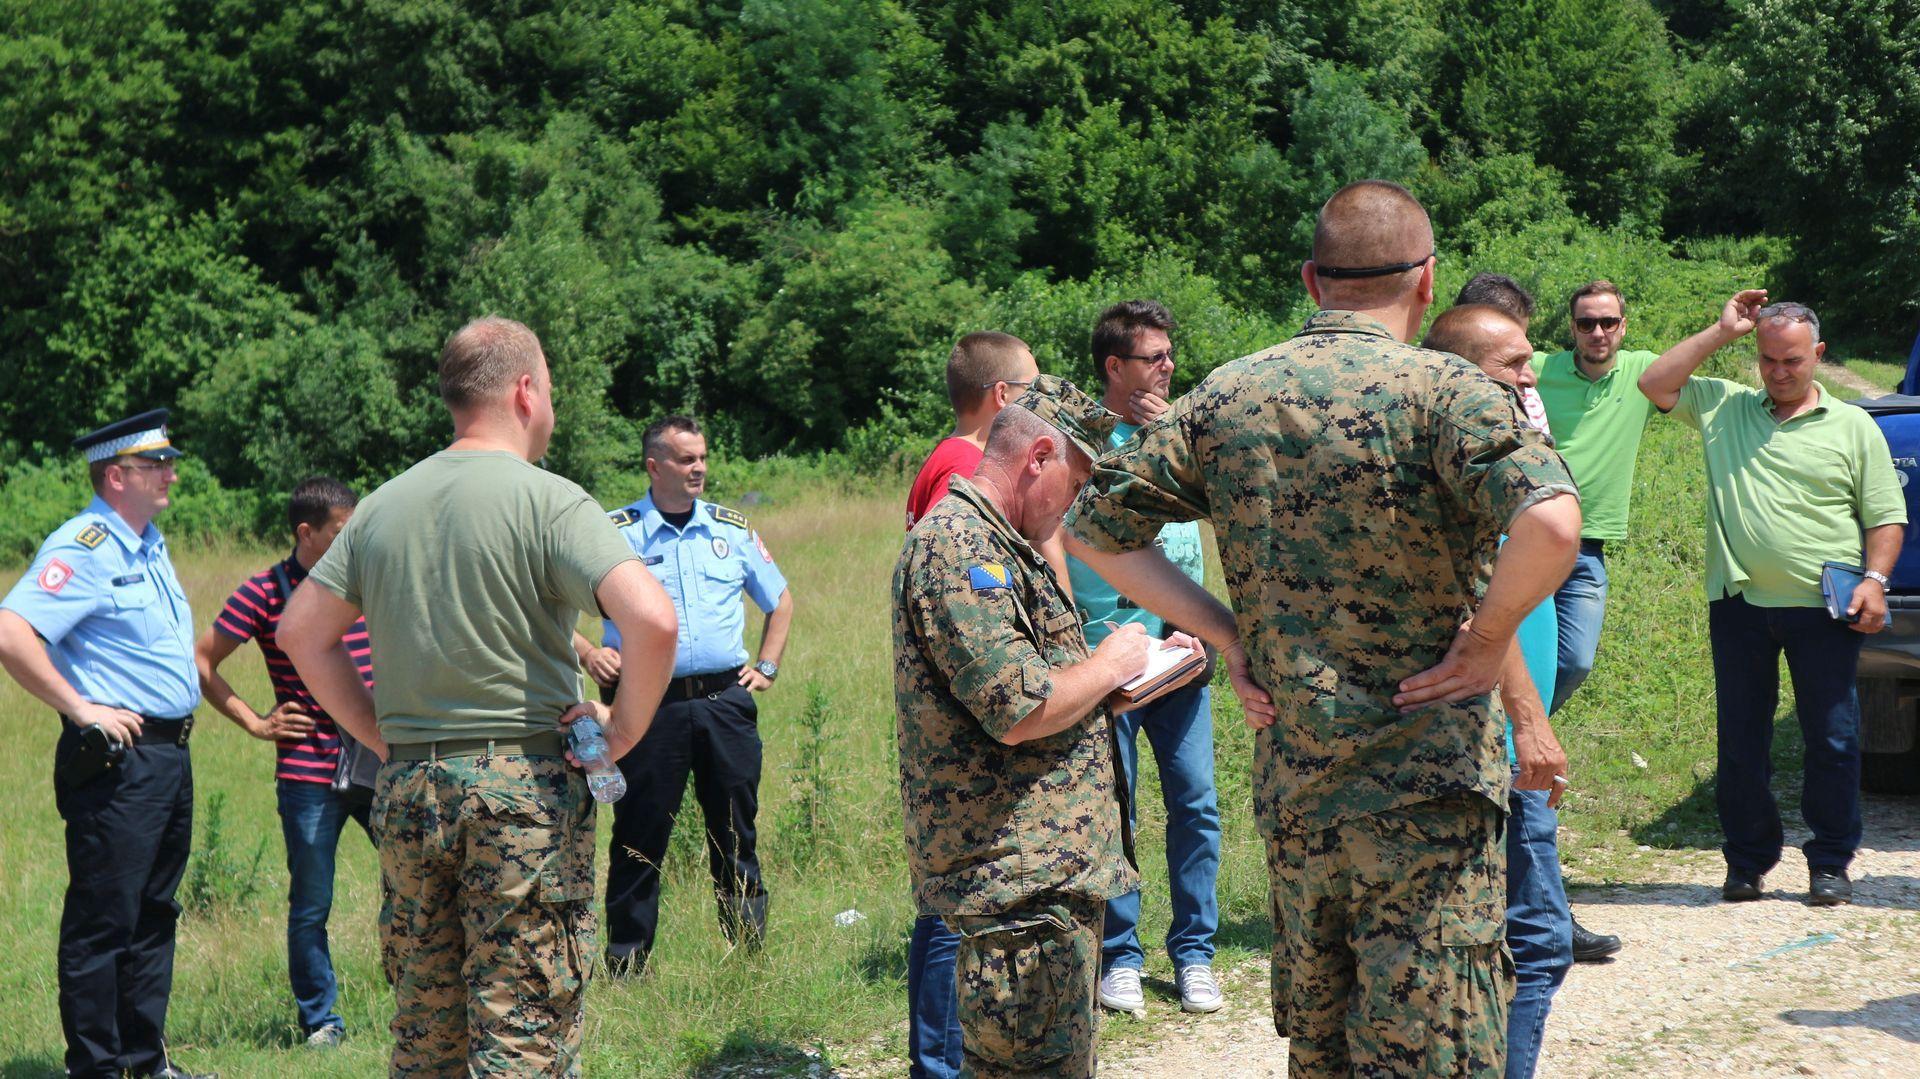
point(1597, 416)
point(1795, 479)
point(1134, 357)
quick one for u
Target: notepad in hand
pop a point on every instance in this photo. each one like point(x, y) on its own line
point(1167, 668)
point(1837, 582)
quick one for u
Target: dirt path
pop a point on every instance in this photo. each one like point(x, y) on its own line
point(1702, 988)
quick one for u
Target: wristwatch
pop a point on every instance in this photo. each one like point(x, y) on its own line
point(768, 669)
point(1873, 574)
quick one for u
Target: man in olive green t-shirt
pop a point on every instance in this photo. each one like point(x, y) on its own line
point(1795, 480)
point(1596, 415)
point(472, 568)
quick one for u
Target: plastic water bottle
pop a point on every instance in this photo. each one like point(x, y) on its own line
point(590, 749)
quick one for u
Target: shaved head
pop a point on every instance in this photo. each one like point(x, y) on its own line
point(1367, 224)
point(1468, 330)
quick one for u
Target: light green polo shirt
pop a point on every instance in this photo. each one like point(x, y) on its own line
point(1596, 426)
point(1100, 603)
point(1782, 498)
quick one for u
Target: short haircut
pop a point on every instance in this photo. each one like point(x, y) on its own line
point(978, 361)
point(97, 471)
point(314, 499)
point(483, 358)
point(1016, 429)
point(1456, 330)
point(1497, 290)
point(1598, 287)
point(1114, 331)
point(1371, 223)
point(654, 442)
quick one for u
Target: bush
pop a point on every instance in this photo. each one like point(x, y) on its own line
point(36, 497)
point(218, 878)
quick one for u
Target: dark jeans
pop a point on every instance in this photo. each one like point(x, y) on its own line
point(1539, 925)
point(312, 816)
point(128, 834)
point(716, 740)
point(1822, 655)
point(934, 1048)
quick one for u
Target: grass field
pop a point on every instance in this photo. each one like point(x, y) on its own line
point(817, 984)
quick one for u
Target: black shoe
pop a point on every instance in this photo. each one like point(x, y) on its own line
point(631, 963)
point(1591, 947)
point(1829, 888)
point(1740, 888)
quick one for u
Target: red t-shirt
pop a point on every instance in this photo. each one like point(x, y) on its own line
point(952, 457)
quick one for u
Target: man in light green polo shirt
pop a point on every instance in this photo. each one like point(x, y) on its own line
point(1795, 479)
point(1133, 355)
point(1597, 417)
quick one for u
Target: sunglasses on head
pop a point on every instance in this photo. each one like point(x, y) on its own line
point(1606, 322)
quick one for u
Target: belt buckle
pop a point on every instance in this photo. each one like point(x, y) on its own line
point(186, 728)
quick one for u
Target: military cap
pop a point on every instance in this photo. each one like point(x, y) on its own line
point(1081, 418)
point(144, 435)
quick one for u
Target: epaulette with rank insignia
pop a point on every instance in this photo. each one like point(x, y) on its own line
point(91, 536)
point(727, 516)
point(622, 518)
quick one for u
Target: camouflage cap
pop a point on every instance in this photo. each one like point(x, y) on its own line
point(1075, 415)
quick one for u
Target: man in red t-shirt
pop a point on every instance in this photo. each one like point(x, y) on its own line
point(308, 745)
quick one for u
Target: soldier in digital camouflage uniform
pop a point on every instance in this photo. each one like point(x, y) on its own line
point(472, 568)
point(1013, 822)
point(1357, 486)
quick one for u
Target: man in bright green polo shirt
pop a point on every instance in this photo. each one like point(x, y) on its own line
point(1795, 479)
point(1597, 416)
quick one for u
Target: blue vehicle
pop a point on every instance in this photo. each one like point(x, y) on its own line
point(1889, 678)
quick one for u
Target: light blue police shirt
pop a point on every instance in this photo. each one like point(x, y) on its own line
point(113, 614)
point(703, 568)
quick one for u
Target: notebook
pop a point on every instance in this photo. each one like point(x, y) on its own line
point(1167, 668)
point(1837, 582)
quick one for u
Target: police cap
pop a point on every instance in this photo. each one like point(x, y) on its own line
point(144, 435)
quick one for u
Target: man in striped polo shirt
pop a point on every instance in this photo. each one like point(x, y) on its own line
point(309, 746)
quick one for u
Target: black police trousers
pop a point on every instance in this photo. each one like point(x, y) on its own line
point(716, 739)
point(128, 834)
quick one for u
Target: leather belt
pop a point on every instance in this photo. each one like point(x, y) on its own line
point(690, 686)
point(534, 745)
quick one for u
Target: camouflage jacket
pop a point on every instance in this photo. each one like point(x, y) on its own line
point(1358, 487)
point(979, 624)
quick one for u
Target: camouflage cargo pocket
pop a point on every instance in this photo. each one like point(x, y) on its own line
point(1019, 978)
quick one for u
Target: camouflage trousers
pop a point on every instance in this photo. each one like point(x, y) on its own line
point(1026, 981)
point(1389, 943)
point(486, 917)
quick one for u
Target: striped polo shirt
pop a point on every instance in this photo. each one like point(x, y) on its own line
point(252, 613)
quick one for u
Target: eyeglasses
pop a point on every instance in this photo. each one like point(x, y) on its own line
point(1155, 359)
point(165, 466)
point(1796, 312)
point(1005, 381)
point(1608, 323)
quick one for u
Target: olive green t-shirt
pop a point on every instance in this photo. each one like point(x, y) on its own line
point(1596, 426)
point(472, 568)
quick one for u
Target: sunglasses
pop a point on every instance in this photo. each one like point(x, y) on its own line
point(1588, 325)
point(1154, 360)
point(1793, 312)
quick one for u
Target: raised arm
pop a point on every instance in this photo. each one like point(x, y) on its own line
point(1663, 381)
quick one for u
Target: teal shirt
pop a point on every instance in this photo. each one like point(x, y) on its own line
point(1100, 603)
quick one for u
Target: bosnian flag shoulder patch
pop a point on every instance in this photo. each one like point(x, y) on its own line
point(55, 575)
point(987, 576)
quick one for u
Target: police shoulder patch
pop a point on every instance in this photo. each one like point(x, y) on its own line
point(91, 536)
point(987, 576)
point(622, 518)
point(727, 516)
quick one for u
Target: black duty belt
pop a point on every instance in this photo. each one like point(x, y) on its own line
point(160, 731)
point(700, 685)
point(546, 744)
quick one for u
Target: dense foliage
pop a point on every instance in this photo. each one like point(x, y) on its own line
point(780, 212)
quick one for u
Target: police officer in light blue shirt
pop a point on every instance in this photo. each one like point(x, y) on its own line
point(705, 556)
point(99, 630)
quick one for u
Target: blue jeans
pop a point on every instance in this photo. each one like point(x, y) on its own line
point(1822, 655)
point(933, 1005)
point(1581, 604)
point(1180, 727)
point(311, 818)
point(1539, 925)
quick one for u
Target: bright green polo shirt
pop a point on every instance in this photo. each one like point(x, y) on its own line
point(1782, 498)
point(1597, 426)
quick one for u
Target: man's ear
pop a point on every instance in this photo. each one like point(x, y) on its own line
point(301, 532)
point(1310, 279)
point(1819, 350)
point(1426, 281)
point(1043, 450)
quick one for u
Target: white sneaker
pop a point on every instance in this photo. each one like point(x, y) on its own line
point(1198, 991)
point(327, 1037)
point(1120, 989)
